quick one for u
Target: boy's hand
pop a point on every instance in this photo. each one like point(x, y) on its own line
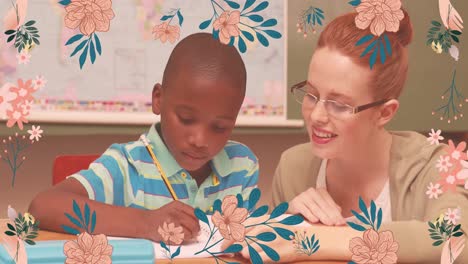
point(175, 212)
point(316, 205)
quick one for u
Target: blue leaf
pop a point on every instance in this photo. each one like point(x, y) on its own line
point(304, 246)
point(355, 2)
point(372, 205)
point(254, 256)
point(231, 42)
point(369, 48)
point(351, 262)
point(164, 18)
point(65, 2)
point(266, 236)
point(77, 209)
point(262, 39)
point(262, 210)
point(255, 194)
point(284, 233)
point(256, 18)
point(319, 21)
point(93, 222)
point(74, 220)
point(92, 54)
point(356, 226)
point(233, 248)
point(86, 208)
point(217, 205)
point(260, 7)
point(279, 210)
point(181, 18)
point(205, 24)
point(248, 4)
point(240, 200)
point(232, 4)
point(318, 10)
point(292, 220)
point(389, 46)
point(242, 46)
point(308, 243)
point(70, 230)
point(364, 39)
point(248, 36)
point(176, 253)
point(163, 245)
point(274, 34)
point(201, 216)
point(74, 39)
point(360, 217)
point(98, 43)
point(78, 48)
point(379, 218)
point(372, 60)
point(320, 15)
point(363, 206)
point(83, 57)
point(313, 20)
point(308, 18)
point(269, 23)
point(271, 253)
point(215, 34)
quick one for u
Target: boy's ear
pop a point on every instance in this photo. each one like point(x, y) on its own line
point(156, 98)
point(388, 111)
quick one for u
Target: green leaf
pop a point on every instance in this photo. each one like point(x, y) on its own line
point(217, 205)
point(456, 228)
point(204, 24)
point(9, 233)
point(455, 32)
point(354, 2)
point(455, 38)
point(10, 31)
point(434, 29)
point(30, 23)
point(356, 226)
point(266, 236)
point(30, 242)
point(437, 243)
point(435, 23)
point(262, 210)
point(201, 216)
point(260, 7)
point(78, 48)
point(241, 45)
point(10, 38)
point(74, 39)
point(11, 227)
point(429, 42)
point(279, 210)
point(83, 57)
point(36, 41)
point(458, 234)
point(436, 237)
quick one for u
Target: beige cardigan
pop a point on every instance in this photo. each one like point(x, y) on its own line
point(412, 168)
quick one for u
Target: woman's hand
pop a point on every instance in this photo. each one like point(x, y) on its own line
point(316, 205)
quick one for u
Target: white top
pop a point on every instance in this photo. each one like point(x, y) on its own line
point(382, 201)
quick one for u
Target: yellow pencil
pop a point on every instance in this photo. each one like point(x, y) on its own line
point(156, 162)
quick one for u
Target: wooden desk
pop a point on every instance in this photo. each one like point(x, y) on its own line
point(46, 235)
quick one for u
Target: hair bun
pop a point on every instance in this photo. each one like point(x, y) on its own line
point(405, 32)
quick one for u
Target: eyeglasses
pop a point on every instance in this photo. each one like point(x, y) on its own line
point(334, 108)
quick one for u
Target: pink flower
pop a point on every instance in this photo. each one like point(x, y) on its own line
point(6, 97)
point(443, 164)
point(380, 15)
point(449, 181)
point(170, 233)
point(89, 15)
point(433, 191)
point(39, 82)
point(230, 223)
point(165, 32)
point(227, 24)
point(23, 92)
point(376, 248)
point(452, 215)
point(90, 249)
point(16, 116)
point(23, 57)
point(434, 137)
point(457, 153)
point(35, 132)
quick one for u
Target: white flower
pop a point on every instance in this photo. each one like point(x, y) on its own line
point(443, 163)
point(452, 215)
point(454, 52)
point(26, 106)
point(23, 57)
point(450, 179)
point(35, 133)
point(434, 137)
point(39, 82)
point(433, 190)
point(12, 214)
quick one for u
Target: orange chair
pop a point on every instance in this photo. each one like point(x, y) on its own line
point(66, 165)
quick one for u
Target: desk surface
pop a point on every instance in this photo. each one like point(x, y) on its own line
point(46, 235)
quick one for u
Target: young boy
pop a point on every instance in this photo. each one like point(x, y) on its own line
point(199, 99)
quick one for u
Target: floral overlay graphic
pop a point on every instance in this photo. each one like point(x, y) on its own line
point(13, 148)
point(165, 31)
point(25, 35)
point(84, 220)
point(239, 24)
point(230, 217)
point(304, 244)
point(24, 229)
point(453, 168)
point(379, 17)
point(445, 230)
point(455, 100)
point(171, 235)
point(309, 19)
point(374, 246)
point(89, 17)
